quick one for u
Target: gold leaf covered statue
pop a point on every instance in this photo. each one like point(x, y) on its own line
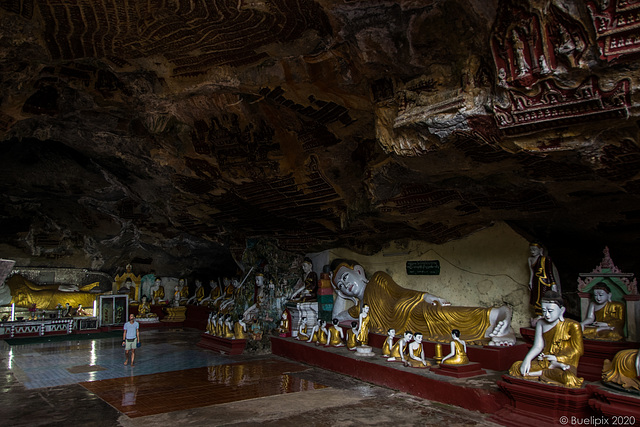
point(388, 343)
point(302, 330)
point(352, 335)
point(399, 349)
point(415, 353)
point(335, 335)
point(458, 355)
point(605, 318)
point(25, 293)
point(556, 349)
point(623, 370)
point(392, 306)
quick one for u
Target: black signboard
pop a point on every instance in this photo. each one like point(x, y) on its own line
point(423, 268)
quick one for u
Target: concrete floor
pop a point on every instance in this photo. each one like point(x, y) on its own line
point(83, 382)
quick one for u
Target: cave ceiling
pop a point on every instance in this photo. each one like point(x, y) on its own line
point(175, 131)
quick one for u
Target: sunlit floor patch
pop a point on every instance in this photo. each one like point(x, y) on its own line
point(138, 396)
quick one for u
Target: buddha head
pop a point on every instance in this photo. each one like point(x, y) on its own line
point(158, 282)
point(260, 280)
point(418, 337)
point(349, 279)
point(307, 266)
point(552, 307)
point(601, 294)
point(408, 336)
point(391, 333)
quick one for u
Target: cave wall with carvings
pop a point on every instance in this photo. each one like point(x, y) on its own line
point(168, 133)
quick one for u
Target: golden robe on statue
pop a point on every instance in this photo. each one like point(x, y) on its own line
point(564, 341)
point(612, 314)
point(460, 357)
point(622, 370)
point(393, 306)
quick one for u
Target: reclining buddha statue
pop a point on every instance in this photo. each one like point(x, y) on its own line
point(392, 306)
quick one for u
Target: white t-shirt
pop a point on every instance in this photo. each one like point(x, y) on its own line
point(131, 329)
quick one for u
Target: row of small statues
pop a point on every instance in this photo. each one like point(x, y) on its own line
point(223, 326)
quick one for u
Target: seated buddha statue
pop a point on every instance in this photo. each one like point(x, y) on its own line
point(240, 330)
point(352, 335)
point(315, 333)
point(388, 343)
point(184, 291)
point(283, 328)
point(335, 335)
point(198, 295)
point(623, 370)
point(458, 355)
point(302, 330)
point(557, 347)
point(157, 292)
point(211, 324)
point(399, 349)
point(392, 306)
point(605, 318)
point(144, 309)
point(415, 353)
point(228, 327)
point(213, 295)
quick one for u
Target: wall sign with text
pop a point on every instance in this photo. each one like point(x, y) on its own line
point(423, 268)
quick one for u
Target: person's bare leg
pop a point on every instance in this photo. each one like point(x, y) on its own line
point(126, 356)
point(133, 355)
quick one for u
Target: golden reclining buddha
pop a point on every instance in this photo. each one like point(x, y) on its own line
point(24, 293)
point(393, 306)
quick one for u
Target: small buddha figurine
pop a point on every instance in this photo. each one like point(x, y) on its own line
point(388, 343)
point(284, 323)
point(184, 291)
point(220, 326)
point(400, 348)
point(240, 330)
point(623, 370)
point(144, 309)
point(323, 333)
point(316, 331)
point(302, 330)
point(256, 330)
point(176, 296)
point(157, 292)
point(352, 335)
point(605, 318)
point(211, 328)
point(80, 311)
point(557, 347)
point(68, 311)
point(458, 355)
point(415, 352)
point(228, 327)
point(363, 325)
point(335, 335)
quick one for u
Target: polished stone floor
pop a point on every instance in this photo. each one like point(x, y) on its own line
point(174, 382)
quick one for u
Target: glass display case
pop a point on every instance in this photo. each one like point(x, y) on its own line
point(114, 309)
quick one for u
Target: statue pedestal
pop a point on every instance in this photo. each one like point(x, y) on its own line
point(175, 314)
point(534, 403)
point(612, 403)
point(222, 345)
point(298, 310)
point(471, 369)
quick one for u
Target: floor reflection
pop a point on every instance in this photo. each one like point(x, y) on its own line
point(193, 388)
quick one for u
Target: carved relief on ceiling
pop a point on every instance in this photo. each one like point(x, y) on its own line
point(191, 36)
point(617, 26)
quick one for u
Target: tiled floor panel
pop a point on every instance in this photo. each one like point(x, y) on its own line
point(138, 396)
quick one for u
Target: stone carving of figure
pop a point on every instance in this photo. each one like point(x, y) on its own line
point(605, 318)
point(302, 330)
point(458, 355)
point(352, 335)
point(336, 335)
point(543, 277)
point(623, 370)
point(522, 65)
point(399, 349)
point(415, 353)
point(388, 343)
point(403, 309)
point(157, 292)
point(557, 347)
point(363, 325)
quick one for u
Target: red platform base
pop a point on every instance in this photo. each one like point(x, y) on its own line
point(222, 345)
point(459, 371)
point(535, 404)
point(615, 404)
point(418, 382)
point(489, 357)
